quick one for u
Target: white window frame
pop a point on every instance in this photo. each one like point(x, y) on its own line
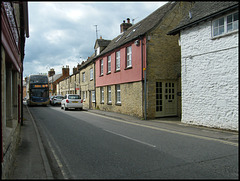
point(101, 67)
point(91, 74)
point(109, 63)
point(102, 94)
point(98, 50)
point(223, 28)
point(118, 94)
point(109, 94)
point(118, 60)
point(83, 77)
point(129, 56)
point(93, 96)
point(84, 95)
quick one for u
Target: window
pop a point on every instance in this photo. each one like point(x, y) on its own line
point(93, 96)
point(109, 95)
point(91, 74)
point(232, 22)
point(101, 67)
point(83, 77)
point(225, 24)
point(98, 50)
point(109, 64)
point(129, 56)
point(84, 95)
point(118, 94)
point(102, 94)
point(118, 60)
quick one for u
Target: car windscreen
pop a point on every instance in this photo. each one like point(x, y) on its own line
point(59, 97)
point(74, 97)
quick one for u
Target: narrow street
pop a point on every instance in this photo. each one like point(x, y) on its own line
point(82, 144)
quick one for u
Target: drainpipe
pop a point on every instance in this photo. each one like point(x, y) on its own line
point(143, 72)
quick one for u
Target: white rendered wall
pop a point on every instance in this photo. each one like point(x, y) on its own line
point(209, 78)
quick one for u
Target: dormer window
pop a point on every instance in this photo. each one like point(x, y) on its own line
point(98, 50)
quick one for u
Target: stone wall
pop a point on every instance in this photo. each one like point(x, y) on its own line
point(210, 78)
point(131, 99)
point(164, 56)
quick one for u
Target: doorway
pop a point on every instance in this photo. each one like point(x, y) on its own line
point(166, 99)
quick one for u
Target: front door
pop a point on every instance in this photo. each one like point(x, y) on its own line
point(166, 102)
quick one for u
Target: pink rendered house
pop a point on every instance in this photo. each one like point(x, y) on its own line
point(115, 68)
point(137, 73)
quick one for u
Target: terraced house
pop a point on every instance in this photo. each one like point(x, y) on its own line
point(139, 72)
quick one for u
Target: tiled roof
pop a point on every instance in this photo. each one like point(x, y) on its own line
point(139, 28)
point(203, 10)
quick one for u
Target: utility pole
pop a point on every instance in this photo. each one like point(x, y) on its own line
point(96, 31)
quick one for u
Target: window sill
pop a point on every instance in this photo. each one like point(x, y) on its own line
point(223, 35)
point(100, 75)
point(109, 103)
point(117, 71)
point(108, 73)
point(128, 68)
point(118, 104)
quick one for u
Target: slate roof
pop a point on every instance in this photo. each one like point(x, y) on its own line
point(202, 11)
point(102, 42)
point(54, 78)
point(139, 29)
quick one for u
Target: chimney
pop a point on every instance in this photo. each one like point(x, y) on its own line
point(51, 72)
point(78, 66)
point(124, 26)
point(75, 69)
point(65, 71)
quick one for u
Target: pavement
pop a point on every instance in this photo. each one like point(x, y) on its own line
point(32, 163)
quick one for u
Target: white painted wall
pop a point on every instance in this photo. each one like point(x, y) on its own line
point(209, 78)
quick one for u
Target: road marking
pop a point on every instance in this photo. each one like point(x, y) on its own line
point(60, 165)
point(166, 130)
point(131, 138)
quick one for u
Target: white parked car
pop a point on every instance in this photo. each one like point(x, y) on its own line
point(57, 99)
point(72, 101)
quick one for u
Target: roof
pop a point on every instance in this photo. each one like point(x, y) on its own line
point(139, 29)
point(102, 43)
point(54, 78)
point(202, 11)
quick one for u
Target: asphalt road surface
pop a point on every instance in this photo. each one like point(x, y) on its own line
point(83, 145)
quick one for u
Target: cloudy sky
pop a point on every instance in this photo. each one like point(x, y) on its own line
point(64, 33)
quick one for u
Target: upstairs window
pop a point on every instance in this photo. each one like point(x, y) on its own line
point(129, 56)
point(109, 64)
point(225, 24)
point(91, 74)
point(101, 67)
point(118, 60)
point(83, 77)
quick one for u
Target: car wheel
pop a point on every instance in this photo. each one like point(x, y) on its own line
point(65, 108)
